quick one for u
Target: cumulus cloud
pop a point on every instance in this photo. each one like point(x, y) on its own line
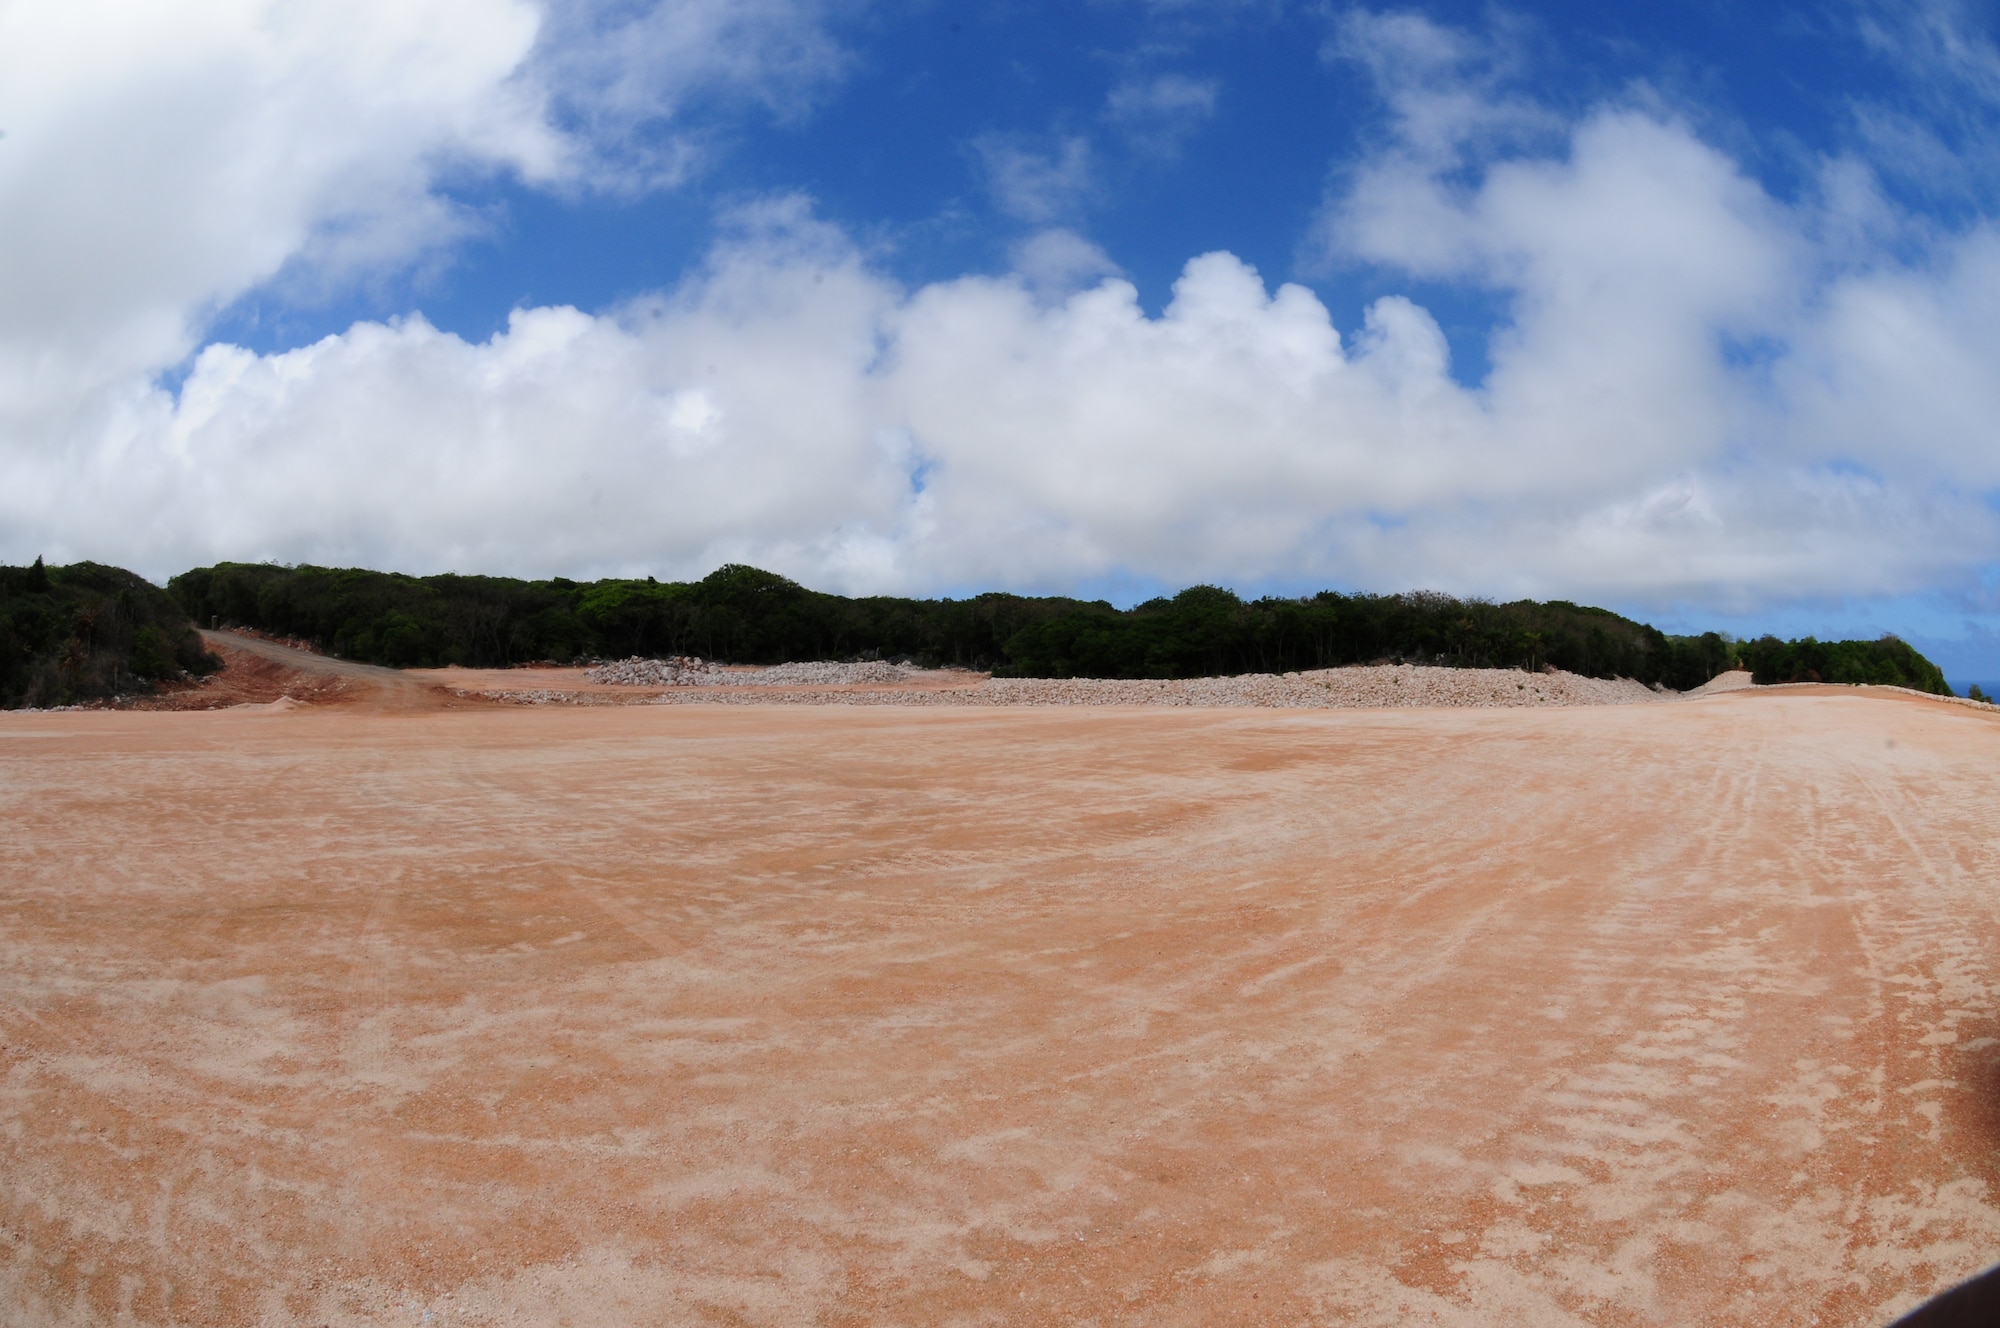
point(738, 408)
point(1056, 262)
point(1698, 392)
point(794, 408)
point(159, 162)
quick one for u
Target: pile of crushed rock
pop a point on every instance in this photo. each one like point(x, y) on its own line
point(679, 671)
point(1359, 687)
point(689, 671)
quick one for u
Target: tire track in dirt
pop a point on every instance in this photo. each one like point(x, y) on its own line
point(655, 936)
point(366, 991)
point(1226, 1018)
point(1933, 969)
point(1661, 990)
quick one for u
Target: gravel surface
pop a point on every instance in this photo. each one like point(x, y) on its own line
point(688, 671)
point(680, 671)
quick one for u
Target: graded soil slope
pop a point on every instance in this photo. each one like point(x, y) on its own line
point(380, 688)
point(1655, 1014)
point(259, 671)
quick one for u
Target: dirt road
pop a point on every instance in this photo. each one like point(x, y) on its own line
point(371, 684)
point(1675, 1014)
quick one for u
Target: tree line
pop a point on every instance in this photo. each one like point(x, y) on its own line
point(736, 615)
point(744, 615)
point(1889, 661)
point(86, 631)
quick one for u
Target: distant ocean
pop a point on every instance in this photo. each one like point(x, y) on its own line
point(1962, 685)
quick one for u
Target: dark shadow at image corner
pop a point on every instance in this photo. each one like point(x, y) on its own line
point(1973, 1304)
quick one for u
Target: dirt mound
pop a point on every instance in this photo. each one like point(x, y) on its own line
point(1736, 680)
point(247, 679)
point(686, 680)
point(688, 671)
point(284, 705)
point(1361, 687)
point(678, 671)
point(258, 670)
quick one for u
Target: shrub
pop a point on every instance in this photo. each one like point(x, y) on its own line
point(86, 631)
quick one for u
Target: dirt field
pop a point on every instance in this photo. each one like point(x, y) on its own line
point(1659, 1014)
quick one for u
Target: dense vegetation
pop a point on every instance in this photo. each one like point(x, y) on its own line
point(1206, 630)
point(742, 615)
point(85, 631)
point(736, 614)
point(1888, 661)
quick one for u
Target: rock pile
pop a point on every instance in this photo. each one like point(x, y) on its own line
point(688, 671)
point(679, 671)
point(827, 675)
point(1366, 686)
point(1369, 686)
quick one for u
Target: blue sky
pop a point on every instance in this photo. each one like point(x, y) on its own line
point(1692, 310)
point(889, 148)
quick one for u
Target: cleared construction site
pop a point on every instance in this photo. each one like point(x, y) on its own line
point(371, 998)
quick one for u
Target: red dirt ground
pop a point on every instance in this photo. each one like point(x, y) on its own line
point(1675, 1014)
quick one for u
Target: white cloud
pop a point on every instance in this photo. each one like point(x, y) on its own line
point(793, 408)
point(1159, 112)
point(677, 428)
point(625, 74)
point(158, 162)
point(1898, 369)
point(1699, 393)
point(1058, 262)
point(161, 161)
point(1034, 184)
point(1447, 90)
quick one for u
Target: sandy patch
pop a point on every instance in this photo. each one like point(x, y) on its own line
point(1641, 1014)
